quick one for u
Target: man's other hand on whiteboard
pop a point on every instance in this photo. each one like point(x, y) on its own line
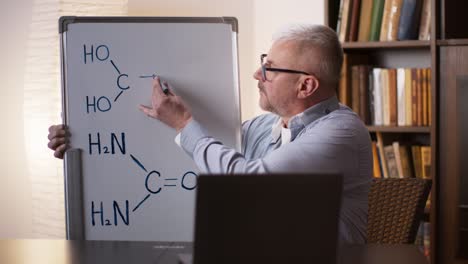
point(58, 140)
point(167, 107)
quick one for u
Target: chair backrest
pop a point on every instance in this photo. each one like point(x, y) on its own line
point(396, 207)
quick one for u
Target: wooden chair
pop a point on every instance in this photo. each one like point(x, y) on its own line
point(396, 207)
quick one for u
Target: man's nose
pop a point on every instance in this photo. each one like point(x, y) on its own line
point(258, 74)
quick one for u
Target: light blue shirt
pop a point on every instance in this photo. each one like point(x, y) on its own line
point(326, 137)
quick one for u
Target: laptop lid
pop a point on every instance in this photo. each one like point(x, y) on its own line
point(269, 218)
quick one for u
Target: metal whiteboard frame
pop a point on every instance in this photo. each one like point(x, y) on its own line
point(73, 178)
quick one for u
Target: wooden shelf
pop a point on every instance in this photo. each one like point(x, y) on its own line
point(387, 44)
point(452, 42)
point(400, 129)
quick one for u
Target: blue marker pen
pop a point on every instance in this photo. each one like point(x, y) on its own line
point(164, 87)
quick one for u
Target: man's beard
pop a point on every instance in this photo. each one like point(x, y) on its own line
point(264, 101)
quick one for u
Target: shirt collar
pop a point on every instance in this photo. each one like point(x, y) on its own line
point(298, 122)
point(279, 131)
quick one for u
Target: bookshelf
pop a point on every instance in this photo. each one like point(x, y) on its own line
point(387, 44)
point(399, 129)
point(445, 53)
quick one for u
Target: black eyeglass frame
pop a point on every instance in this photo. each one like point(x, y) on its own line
point(265, 69)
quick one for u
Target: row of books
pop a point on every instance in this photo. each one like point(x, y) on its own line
point(383, 20)
point(423, 238)
point(388, 97)
point(401, 161)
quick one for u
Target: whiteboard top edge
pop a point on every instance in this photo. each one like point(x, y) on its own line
point(64, 21)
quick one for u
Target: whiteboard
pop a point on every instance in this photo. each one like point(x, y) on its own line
point(131, 181)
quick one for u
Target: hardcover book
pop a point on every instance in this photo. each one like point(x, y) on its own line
point(365, 20)
point(409, 20)
point(376, 20)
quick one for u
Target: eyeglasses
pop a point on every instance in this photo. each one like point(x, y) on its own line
point(265, 69)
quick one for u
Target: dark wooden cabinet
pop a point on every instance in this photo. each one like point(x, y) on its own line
point(452, 157)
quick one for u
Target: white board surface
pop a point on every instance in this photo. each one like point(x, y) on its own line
point(137, 183)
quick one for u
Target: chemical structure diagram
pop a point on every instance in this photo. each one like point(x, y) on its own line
point(171, 182)
point(101, 53)
point(154, 182)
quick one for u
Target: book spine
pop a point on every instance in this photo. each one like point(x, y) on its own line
point(385, 20)
point(345, 17)
point(376, 162)
point(355, 89)
point(371, 105)
point(376, 20)
point(363, 93)
point(425, 21)
point(406, 162)
point(396, 149)
point(414, 97)
point(383, 161)
point(416, 153)
point(385, 97)
point(365, 20)
point(353, 30)
point(419, 96)
point(429, 95)
point(394, 20)
point(340, 14)
point(424, 97)
point(426, 162)
point(409, 20)
point(378, 104)
point(391, 161)
point(401, 97)
point(408, 97)
point(343, 87)
point(392, 100)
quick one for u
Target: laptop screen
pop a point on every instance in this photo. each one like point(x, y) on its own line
point(268, 218)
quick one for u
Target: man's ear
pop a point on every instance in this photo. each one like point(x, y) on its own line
point(308, 86)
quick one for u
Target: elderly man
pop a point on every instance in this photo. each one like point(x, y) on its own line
point(306, 131)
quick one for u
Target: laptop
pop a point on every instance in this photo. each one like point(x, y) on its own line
point(268, 218)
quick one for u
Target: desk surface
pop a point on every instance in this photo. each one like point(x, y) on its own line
point(40, 251)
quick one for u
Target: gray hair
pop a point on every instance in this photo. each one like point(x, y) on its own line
point(322, 39)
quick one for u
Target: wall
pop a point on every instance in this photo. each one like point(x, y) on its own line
point(258, 19)
point(15, 187)
point(269, 16)
point(242, 9)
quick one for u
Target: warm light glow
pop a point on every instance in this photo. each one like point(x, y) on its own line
point(42, 106)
